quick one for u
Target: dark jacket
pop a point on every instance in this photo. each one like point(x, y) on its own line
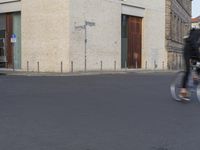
point(192, 45)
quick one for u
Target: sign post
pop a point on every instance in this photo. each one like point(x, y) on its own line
point(13, 40)
point(90, 24)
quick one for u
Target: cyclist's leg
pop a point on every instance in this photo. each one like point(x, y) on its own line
point(183, 91)
point(187, 66)
point(187, 72)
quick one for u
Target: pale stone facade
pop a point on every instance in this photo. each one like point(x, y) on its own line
point(104, 39)
point(52, 39)
point(178, 21)
point(45, 35)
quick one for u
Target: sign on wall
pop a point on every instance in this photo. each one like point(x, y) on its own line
point(13, 38)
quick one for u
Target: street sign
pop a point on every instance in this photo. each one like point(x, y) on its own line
point(13, 38)
point(90, 23)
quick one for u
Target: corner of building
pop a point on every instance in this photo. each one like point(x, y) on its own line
point(45, 35)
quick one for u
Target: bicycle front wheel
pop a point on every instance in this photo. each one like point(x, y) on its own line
point(176, 85)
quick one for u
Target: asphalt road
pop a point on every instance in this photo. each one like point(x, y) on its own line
point(102, 112)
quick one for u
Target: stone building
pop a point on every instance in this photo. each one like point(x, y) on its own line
point(196, 22)
point(78, 35)
point(178, 23)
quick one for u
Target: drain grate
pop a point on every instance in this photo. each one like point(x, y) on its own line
point(160, 148)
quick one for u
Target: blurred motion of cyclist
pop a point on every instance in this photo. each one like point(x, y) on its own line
point(191, 52)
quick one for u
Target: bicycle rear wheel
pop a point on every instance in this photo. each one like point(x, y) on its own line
point(198, 92)
point(176, 85)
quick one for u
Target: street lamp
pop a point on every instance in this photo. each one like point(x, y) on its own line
point(84, 27)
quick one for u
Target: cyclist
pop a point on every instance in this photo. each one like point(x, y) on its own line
point(191, 53)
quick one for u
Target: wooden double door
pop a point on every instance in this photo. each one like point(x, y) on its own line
point(131, 54)
point(6, 29)
point(134, 54)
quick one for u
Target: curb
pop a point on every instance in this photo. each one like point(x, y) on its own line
point(138, 71)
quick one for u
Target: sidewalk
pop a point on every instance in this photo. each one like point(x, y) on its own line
point(10, 72)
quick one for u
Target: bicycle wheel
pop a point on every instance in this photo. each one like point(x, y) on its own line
point(198, 92)
point(176, 86)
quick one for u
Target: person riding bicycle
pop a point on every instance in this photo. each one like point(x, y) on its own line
point(191, 53)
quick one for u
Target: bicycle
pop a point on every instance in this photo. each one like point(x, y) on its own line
point(193, 85)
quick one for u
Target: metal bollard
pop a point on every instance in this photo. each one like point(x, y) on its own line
point(126, 65)
point(61, 67)
point(146, 65)
point(155, 65)
point(27, 66)
point(13, 66)
point(72, 66)
point(38, 66)
point(101, 65)
point(136, 64)
point(115, 65)
point(163, 64)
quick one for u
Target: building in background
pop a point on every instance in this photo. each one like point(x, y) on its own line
point(178, 24)
point(79, 35)
point(196, 22)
